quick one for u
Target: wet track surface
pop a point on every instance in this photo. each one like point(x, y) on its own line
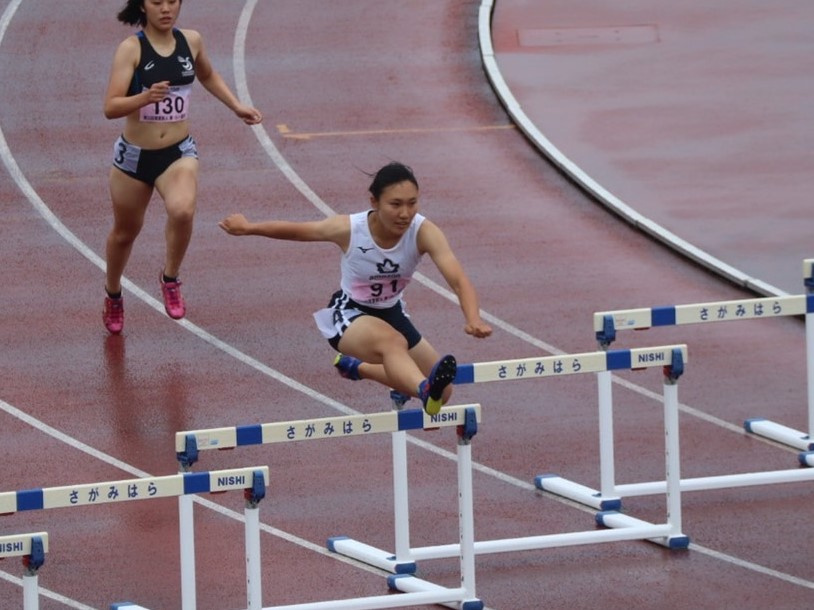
point(346, 87)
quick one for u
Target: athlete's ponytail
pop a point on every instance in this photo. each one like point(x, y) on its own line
point(133, 13)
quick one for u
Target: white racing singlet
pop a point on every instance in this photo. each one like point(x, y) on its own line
point(375, 276)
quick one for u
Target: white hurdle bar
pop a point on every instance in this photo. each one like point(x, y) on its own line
point(252, 479)
point(415, 591)
point(32, 548)
point(670, 358)
point(607, 323)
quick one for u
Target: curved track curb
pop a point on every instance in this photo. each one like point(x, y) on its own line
point(588, 184)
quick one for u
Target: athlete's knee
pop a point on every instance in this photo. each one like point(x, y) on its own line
point(124, 235)
point(391, 341)
point(181, 210)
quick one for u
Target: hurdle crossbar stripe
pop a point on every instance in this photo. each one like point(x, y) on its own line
point(323, 428)
point(700, 313)
point(131, 489)
point(19, 545)
point(568, 364)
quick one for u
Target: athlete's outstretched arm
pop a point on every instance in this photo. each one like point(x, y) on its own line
point(214, 83)
point(334, 229)
point(432, 241)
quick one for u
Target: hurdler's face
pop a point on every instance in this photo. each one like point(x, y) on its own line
point(397, 206)
point(162, 14)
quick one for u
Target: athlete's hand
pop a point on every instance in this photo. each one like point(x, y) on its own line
point(158, 91)
point(236, 224)
point(479, 329)
point(250, 116)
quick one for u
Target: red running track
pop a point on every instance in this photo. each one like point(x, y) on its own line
point(348, 86)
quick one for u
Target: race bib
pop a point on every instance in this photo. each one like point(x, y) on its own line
point(379, 293)
point(173, 108)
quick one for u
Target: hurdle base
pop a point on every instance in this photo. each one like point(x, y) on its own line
point(779, 432)
point(555, 484)
point(365, 553)
point(407, 583)
point(806, 458)
point(616, 520)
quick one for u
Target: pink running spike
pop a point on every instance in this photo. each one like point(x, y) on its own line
point(173, 301)
point(113, 315)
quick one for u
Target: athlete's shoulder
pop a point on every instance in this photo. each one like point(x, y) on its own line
point(131, 44)
point(338, 222)
point(430, 236)
point(191, 36)
point(129, 50)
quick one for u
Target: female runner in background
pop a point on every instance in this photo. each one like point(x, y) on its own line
point(150, 85)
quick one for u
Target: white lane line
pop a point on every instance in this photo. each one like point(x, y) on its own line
point(47, 593)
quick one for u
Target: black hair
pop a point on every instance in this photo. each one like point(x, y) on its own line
point(390, 174)
point(133, 13)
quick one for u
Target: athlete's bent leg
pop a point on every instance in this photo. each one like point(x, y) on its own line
point(178, 187)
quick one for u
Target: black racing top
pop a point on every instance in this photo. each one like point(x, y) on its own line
point(178, 68)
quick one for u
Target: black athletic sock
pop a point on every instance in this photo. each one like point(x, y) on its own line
point(114, 295)
point(168, 279)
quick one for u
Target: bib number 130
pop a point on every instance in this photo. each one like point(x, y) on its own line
point(172, 108)
point(169, 105)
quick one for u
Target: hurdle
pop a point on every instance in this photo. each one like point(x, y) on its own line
point(607, 323)
point(252, 480)
point(32, 548)
point(620, 527)
point(415, 591)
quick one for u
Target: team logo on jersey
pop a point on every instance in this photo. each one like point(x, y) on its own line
point(365, 250)
point(387, 267)
point(186, 64)
point(150, 65)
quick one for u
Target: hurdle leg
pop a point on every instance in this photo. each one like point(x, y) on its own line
point(401, 502)
point(33, 561)
point(254, 594)
point(810, 368)
point(251, 514)
point(402, 562)
point(673, 462)
point(186, 534)
point(674, 539)
point(31, 591)
point(607, 467)
point(606, 499)
point(778, 432)
point(466, 526)
point(466, 517)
